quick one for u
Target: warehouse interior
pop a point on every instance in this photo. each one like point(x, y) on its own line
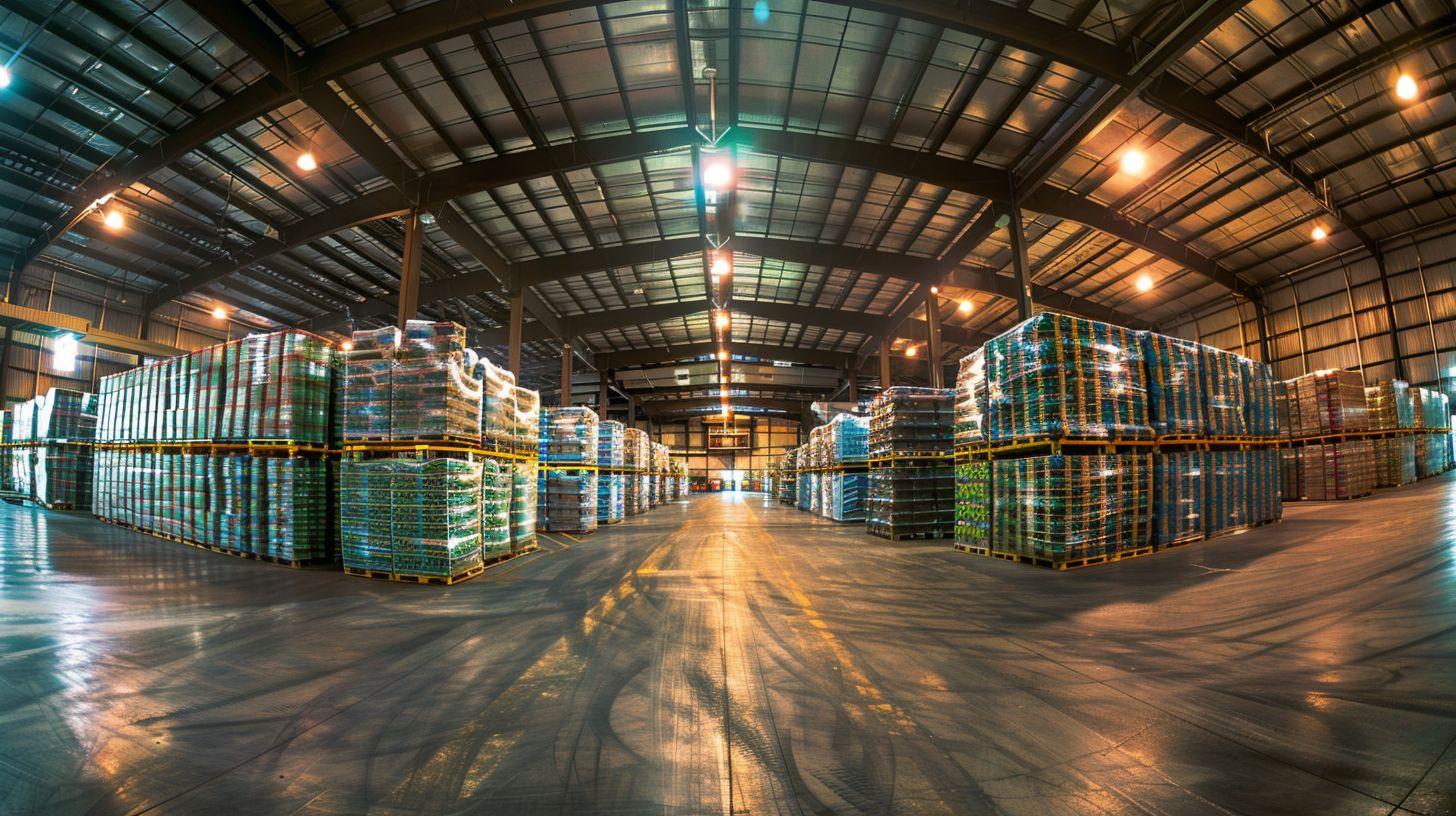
point(727, 406)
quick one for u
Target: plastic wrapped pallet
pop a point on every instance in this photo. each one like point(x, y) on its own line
point(1340, 470)
point(523, 504)
point(1055, 375)
point(1266, 502)
point(907, 422)
point(569, 434)
point(1064, 508)
point(845, 496)
point(288, 380)
point(913, 499)
point(1180, 494)
point(1226, 491)
point(806, 492)
point(1431, 454)
point(63, 414)
point(611, 453)
point(786, 487)
point(1389, 406)
point(1395, 460)
point(1293, 474)
point(368, 376)
point(1260, 416)
point(1332, 402)
point(567, 501)
point(6, 479)
point(433, 516)
point(1286, 409)
point(1430, 409)
point(1175, 404)
point(1222, 376)
point(433, 394)
point(970, 399)
point(973, 503)
point(497, 406)
point(527, 404)
point(495, 508)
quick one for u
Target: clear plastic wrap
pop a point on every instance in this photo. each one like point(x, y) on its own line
point(1265, 501)
point(847, 440)
point(1228, 494)
point(498, 396)
point(1224, 408)
point(1430, 409)
point(906, 421)
point(1395, 461)
point(1180, 485)
point(433, 526)
point(523, 504)
point(1331, 402)
point(970, 399)
point(569, 434)
point(1055, 375)
point(1260, 416)
point(973, 503)
point(1067, 508)
point(1340, 470)
point(1175, 388)
point(611, 453)
point(495, 508)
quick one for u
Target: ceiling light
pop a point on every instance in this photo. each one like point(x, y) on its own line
point(935, 290)
point(1319, 233)
point(911, 351)
point(718, 175)
point(721, 267)
point(723, 320)
point(348, 345)
point(722, 355)
point(1405, 87)
point(965, 307)
point(4, 77)
point(219, 312)
point(113, 220)
point(760, 11)
point(307, 163)
point(1145, 282)
point(1134, 162)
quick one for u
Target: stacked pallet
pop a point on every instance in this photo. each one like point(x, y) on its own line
point(842, 446)
point(410, 517)
point(1331, 402)
point(568, 485)
point(660, 457)
point(786, 487)
point(911, 473)
point(611, 459)
point(1338, 470)
point(415, 384)
point(1195, 426)
point(524, 469)
point(50, 455)
point(638, 458)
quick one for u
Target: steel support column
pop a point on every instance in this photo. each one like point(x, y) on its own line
point(932, 343)
point(853, 382)
point(566, 355)
point(5, 368)
point(409, 273)
point(603, 398)
point(513, 339)
point(884, 362)
point(1020, 264)
point(1390, 316)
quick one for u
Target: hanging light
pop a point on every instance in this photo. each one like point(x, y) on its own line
point(1319, 233)
point(722, 355)
point(348, 345)
point(723, 319)
point(306, 162)
point(935, 290)
point(911, 351)
point(1145, 282)
point(219, 312)
point(965, 307)
point(4, 76)
point(721, 267)
point(114, 220)
point(718, 175)
point(1134, 162)
point(1405, 87)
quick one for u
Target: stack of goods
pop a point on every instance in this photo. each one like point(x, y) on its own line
point(911, 477)
point(1261, 417)
point(806, 485)
point(267, 506)
point(1064, 509)
point(1266, 504)
point(365, 392)
point(524, 501)
point(496, 487)
point(267, 388)
point(1175, 391)
point(1224, 409)
point(970, 399)
point(1430, 409)
point(684, 484)
point(423, 374)
point(1293, 476)
point(788, 477)
point(1339, 470)
point(1055, 376)
point(611, 458)
point(1286, 410)
point(973, 504)
point(568, 483)
point(1227, 486)
point(1395, 460)
point(1331, 402)
point(634, 447)
point(498, 406)
point(1180, 492)
point(1389, 406)
point(660, 456)
point(411, 517)
point(527, 426)
point(6, 437)
point(847, 438)
point(843, 496)
point(53, 461)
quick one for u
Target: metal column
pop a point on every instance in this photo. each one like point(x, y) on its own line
point(603, 399)
point(1390, 316)
point(513, 332)
point(932, 344)
point(409, 273)
point(566, 373)
point(884, 362)
point(1020, 264)
point(853, 382)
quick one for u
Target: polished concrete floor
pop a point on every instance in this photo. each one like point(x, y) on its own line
point(727, 655)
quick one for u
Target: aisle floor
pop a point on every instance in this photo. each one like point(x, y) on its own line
point(728, 655)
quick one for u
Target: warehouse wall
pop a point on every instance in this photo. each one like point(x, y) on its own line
point(1316, 315)
point(769, 440)
point(26, 368)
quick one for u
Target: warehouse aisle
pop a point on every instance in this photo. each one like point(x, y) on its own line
point(729, 655)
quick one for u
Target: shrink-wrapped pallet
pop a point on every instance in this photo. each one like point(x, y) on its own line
point(1175, 404)
point(970, 399)
point(973, 508)
point(1226, 486)
point(1065, 508)
point(1395, 460)
point(1389, 406)
point(1266, 502)
point(1054, 375)
point(1260, 416)
point(1224, 407)
point(611, 440)
point(906, 422)
point(1332, 402)
point(1339, 470)
point(495, 508)
point(1179, 496)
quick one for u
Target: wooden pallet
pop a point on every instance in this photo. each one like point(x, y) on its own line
point(413, 578)
point(967, 548)
point(1072, 563)
point(923, 535)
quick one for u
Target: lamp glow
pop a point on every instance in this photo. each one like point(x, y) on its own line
point(721, 267)
point(4, 77)
point(718, 175)
point(1405, 87)
point(348, 345)
point(219, 312)
point(307, 163)
point(723, 320)
point(965, 307)
point(1319, 233)
point(1145, 282)
point(63, 355)
point(911, 351)
point(113, 220)
point(1134, 162)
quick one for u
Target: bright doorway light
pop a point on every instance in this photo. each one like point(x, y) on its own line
point(965, 307)
point(63, 355)
point(718, 175)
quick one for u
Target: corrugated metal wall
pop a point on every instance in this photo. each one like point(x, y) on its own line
point(1335, 316)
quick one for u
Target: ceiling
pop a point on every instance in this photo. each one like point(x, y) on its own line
point(559, 146)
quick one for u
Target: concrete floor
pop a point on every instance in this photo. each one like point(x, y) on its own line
point(729, 655)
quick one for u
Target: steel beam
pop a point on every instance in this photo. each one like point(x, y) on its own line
point(638, 357)
point(933, 356)
point(1020, 264)
point(409, 274)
